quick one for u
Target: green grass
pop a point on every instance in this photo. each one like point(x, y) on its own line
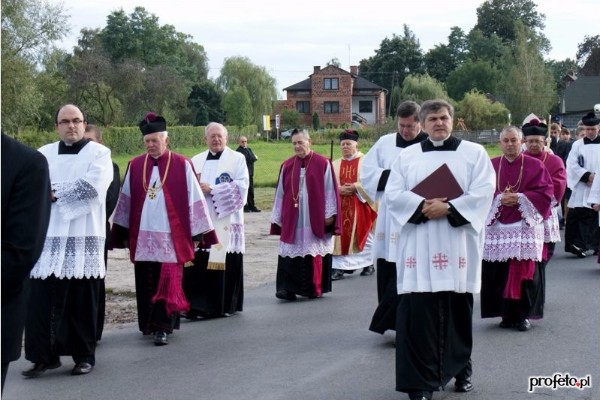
point(270, 156)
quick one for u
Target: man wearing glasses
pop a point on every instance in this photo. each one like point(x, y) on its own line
point(66, 280)
point(373, 177)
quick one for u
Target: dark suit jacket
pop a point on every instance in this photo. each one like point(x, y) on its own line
point(250, 158)
point(25, 216)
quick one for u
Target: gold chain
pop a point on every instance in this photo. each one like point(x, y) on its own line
point(296, 197)
point(510, 188)
point(153, 190)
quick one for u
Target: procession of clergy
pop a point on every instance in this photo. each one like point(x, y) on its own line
point(431, 213)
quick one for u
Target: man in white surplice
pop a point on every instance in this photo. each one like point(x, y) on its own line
point(214, 285)
point(374, 176)
point(437, 255)
point(65, 282)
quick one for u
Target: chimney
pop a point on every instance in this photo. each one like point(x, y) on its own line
point(354, 69)
point(316, 69)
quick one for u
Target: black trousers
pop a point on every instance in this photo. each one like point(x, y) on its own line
point(61, 319)
point(384, 317)
point(581, 229)
point(250, 200)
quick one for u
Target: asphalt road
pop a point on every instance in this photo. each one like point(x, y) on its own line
point(321, 349)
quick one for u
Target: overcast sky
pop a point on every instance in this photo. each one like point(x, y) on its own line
point(289, 38)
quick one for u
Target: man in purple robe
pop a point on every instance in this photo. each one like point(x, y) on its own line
point(305, 216)
point(534, 134)
point(512, 278)
point(161, 217)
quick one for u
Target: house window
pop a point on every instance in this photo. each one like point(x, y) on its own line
point(303, 107)
point(365, 106)
point(331, 107)
point(331, 83)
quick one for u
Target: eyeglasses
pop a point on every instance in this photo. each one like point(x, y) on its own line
point(70, 121)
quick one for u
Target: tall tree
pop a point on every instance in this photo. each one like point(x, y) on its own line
point(501, 17)
point(53, 88)
point(485, 48)
point(527, 85)
point(445, 58)
point(140, 65)
point(205, 102)
point(479, 75)
point(588, 55)
point(28, 28)
point(261, 86)
point(238, 107)
point(395, 59)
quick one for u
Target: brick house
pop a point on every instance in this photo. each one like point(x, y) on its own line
point(338, 96)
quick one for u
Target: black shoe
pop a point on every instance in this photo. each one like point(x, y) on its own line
point(578, 251)
point(255, 210)
point(285, 295)
point(368, 271)
point(82, 368)
point(505, 324)
point(39, 368)
point(463, 385)
point(420, 395)
point(524, 325)
point(246, 209)
point(161, 338)
point(337, 275)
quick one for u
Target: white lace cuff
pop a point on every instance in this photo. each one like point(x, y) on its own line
point(74, 198)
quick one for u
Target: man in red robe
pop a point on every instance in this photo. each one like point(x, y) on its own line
point(352, 249)
point(161, 217)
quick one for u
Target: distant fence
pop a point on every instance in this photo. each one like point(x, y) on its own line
point(491, 136)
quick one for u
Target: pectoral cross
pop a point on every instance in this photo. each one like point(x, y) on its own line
point(152, 192)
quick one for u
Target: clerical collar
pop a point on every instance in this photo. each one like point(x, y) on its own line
point(74, 148)
point(214, 156)
point(400, 142)
point(586, 140)
point(451, 143)
point(352, 157)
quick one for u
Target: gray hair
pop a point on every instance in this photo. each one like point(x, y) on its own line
point(301, 132)
point(215, 125)
point(511, 128)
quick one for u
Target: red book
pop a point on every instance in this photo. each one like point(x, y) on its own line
point(440, 183)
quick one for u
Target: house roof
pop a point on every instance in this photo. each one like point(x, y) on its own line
point(582, 94)
point(304, 85)
point(360, 83)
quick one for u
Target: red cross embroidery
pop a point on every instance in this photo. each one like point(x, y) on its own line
point(440, 261)
point(410, 262)
point(462, 262)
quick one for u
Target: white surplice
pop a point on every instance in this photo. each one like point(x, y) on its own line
point(434, 256)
